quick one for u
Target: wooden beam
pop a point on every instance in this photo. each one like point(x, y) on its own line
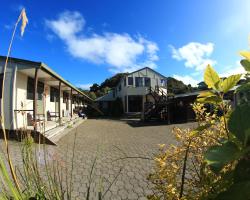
point(35, 99)
point(59, 103)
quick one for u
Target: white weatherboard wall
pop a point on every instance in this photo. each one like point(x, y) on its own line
point(155, 80)
point(8, 91)
point(21, 99)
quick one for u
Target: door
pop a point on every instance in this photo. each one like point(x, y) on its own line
point(135, 103)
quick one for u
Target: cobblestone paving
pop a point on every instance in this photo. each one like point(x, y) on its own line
point(113, 143)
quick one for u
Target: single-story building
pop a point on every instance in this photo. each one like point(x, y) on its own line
point(36, 97)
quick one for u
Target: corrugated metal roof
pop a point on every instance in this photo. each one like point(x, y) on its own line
point(48, 70)
point(107, 97)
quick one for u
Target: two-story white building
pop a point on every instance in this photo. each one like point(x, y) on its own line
point(134, 90)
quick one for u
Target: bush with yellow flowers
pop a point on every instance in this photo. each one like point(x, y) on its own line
point(207, 162)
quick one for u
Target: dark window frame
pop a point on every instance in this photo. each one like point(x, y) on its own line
point(65, 97)
point(147, 81)
point(54, 94)
point(131, 81)
point(30, 89)
point(138, 81)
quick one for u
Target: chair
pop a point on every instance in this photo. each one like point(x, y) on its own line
point(51, 115)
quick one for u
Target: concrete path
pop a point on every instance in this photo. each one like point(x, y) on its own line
point(113, 144)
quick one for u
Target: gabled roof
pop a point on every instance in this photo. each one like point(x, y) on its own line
point(149, 69)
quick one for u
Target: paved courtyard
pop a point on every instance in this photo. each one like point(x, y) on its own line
point(116, 146)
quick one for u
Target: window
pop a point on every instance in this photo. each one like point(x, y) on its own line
point(30, 89)
point(147, 81)
point(130, 81)
point(120, 87)
point(73, 99)
point(65, 97)
point(125, 81)
point(54, 94)
point(40, 90)
point(138, 81)
point(1, 84)
point(163, 82)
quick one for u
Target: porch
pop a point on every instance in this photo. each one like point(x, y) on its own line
point(44, 101)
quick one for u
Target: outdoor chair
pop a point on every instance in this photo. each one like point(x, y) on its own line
point(31, 121)
point(51, 115)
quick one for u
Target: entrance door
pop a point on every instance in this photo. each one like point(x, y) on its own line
point(134, 103)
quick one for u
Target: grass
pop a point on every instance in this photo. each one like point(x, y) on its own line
point(38, 177)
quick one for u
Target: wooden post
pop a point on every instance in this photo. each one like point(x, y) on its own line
point(71, 96)
point(35, 99)
point(59, 103)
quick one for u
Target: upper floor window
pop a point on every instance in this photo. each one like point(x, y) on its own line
point(138, 81)
point(147, 81)
point(54, 94)
point(30, 89)
point(130, 81)
point(120, 87)
point(163, 82)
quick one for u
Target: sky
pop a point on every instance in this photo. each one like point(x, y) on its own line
point(87, 41)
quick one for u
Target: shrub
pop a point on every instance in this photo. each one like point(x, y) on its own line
point(213, 160)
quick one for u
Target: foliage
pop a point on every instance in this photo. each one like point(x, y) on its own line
point(213, 160)
point(191, 145)
point(100, 90)
point(178, 87)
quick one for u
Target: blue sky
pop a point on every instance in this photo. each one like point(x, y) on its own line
point(88, 41)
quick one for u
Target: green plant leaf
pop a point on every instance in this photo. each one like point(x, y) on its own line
point(246, 64)
point(238, 191)
point(211, 99)
point(244, 88)
point(230, 82)
point(199, 129)
point(245, 54)
point(206, 94)
point(239, 123)
point(211, 77)
point(242, 171)
point(218, 156)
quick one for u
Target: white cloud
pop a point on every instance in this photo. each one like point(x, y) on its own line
point(238, 69)
point(195, 55)
point(120, 51)
point(85, 86)
point(186, 79)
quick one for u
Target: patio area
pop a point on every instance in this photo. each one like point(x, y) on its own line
point(114, 144)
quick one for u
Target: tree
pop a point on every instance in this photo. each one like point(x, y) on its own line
point(94, 88)
point(92, 95)
point(202, 86)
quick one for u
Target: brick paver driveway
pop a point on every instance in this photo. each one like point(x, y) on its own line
point(114, 144)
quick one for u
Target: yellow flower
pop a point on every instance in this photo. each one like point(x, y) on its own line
point(161, 145)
